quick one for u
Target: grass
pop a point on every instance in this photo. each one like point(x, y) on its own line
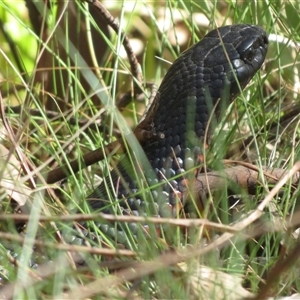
point(261, 128)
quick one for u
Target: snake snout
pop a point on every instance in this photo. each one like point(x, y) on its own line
point(252, 50)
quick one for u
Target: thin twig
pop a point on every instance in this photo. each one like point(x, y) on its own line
point(185, 223)
point(68, 247)
point(134, 64)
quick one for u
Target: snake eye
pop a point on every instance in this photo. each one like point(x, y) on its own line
point(247, 47)
point(248, 54)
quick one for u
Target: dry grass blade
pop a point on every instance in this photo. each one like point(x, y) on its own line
point(10, 172)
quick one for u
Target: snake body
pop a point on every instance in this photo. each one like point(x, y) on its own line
point(211, 71)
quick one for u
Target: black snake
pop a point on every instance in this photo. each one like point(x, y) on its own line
point(197, 82)
point(202, 77)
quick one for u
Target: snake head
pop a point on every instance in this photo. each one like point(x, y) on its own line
point(233, 53)
point(252, 48)
point(217, 67)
